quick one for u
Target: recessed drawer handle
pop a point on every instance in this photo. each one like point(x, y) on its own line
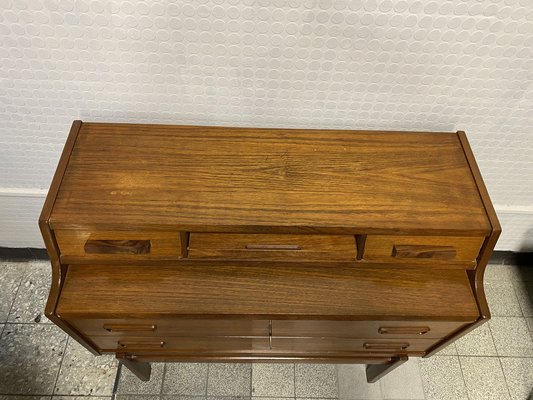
point(272, 247)
point(117, 247)
point(423, 251)
point(129, 328)
point(403, 330)
point(386, 346)
point(140, 344)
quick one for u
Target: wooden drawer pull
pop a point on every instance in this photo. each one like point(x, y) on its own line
point(272, 247)
point(386, 346)
point(117, 246)
point(129, 328)
point(140, 344)
point(403, 330)
point(423, 251)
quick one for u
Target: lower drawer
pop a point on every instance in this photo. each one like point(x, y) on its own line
point(192, 345)
point(171, 327)
point(365, 329)
point(347, 345)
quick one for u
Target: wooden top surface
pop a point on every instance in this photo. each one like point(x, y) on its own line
point(239, 179)
point(275, 292)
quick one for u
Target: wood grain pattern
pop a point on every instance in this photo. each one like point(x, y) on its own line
point(190, 345)
point(59, 270)
point(72, 243)
point(365, 329)
point(117, 247)
point(424, 251)
point(476, 276)
point(243, 244)
point(173, 327)
point(244, 179)
point(271, 247)
point(284, 292)
point(380, 247)
point(372, 346)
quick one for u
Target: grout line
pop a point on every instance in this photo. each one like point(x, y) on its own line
point(251, 379)
point(117, 379)
point(163, 378)
point(504, 378)
point(60, 364)
point(463, 376)
point(207, 380)
point(294, 375)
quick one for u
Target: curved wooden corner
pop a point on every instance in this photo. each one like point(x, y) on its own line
point(59, 270)
point(476, 276)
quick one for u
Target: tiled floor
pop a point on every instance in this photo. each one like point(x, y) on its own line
point(38, 361)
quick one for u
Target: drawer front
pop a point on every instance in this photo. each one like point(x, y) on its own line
point(171, 327)
point(272, 247)
point(409, 249)
point(341, 345)
point(190, 345)
point(83, 246)
point(365, 329)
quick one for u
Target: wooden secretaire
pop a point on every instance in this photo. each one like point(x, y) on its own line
point(188, 243)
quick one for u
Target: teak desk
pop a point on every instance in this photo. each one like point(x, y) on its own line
point(190, 243)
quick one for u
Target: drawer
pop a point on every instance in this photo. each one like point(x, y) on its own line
point(272, 247)
point(410, 249)
point(341, 345)
point(171, 327)
point(193, 345)
point(83, 246)
point(365, 329)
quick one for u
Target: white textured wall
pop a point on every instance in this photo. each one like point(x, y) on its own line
point(437, 65)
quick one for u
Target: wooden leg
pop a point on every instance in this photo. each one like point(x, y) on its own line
point(141, 370)
point(376, 371)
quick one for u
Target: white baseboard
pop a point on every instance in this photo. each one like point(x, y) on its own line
point(20, 209)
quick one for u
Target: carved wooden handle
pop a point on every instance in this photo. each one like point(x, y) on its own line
point(117, 246)
point(403, 330)
point(140, 344)
point(423, 251)
point(386, 346)
point(129, 327)
point(272, 247)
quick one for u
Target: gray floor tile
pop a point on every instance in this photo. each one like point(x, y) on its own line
point(524, 293)
point(269, 398)
point(521, 273)
point(499, 273)
point(316, 380)
point(477, 343)
point(10, 278)
point(82, 398)
point(442, 378)
point(449, 350)
point(15, 397)
point(185, 379)
point(519, 376)
point(484, 378)
point(511, 336)
point(229, 380)
point(137, 397)
point(353, 385)
point(529, 322)
point(274, 380)
point(393, 385)
point(502, 299)
point(84, 374)
point(30, 356)
point(128, 383)
point(31, 297)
